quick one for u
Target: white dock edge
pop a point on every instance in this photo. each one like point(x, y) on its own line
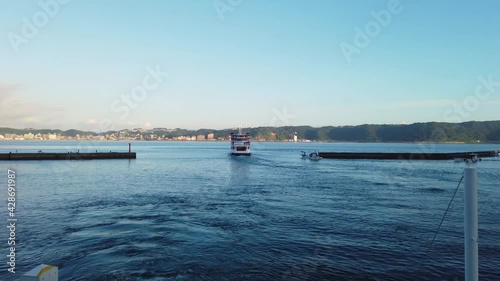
point(42, 272)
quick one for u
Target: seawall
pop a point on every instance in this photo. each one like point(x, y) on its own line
point(68, 156)
point(406, 156)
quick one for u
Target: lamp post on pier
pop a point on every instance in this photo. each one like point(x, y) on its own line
point(470, 221)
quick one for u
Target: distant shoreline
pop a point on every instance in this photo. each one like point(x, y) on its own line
point(427, 132)
point(276, 141)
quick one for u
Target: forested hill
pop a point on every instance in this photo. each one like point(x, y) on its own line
point(486, 131)
point(483, 131)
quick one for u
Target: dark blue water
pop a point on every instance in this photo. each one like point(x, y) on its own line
point(188, 211)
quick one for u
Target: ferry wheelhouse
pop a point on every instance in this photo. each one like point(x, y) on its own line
point(240, 144)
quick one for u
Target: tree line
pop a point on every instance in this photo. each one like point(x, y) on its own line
point(474, 131)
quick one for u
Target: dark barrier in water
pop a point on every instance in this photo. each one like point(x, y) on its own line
point(407, 156)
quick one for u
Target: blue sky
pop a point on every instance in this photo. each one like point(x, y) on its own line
point(257, 62)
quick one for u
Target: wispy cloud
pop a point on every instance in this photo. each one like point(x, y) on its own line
point(91, 122)
point(424, 103)
point(19, 112)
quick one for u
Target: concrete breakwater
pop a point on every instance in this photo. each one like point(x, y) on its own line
point(67, 156)
point(407, 156)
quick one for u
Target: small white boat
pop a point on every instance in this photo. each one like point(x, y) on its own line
point(471, 158)
point(314, 156)
point(311, 156)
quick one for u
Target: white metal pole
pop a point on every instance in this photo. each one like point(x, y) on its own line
point(470, 224)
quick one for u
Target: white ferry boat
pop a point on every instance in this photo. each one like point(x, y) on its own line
point(240, 143)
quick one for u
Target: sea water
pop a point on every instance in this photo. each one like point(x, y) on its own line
point(189, 211)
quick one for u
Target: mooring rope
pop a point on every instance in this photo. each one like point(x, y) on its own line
point(437, 230)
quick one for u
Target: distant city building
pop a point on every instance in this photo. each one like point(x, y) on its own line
point(295, 138)
point(2, 137)
point(210, 136)
point(200, 138)
point(29, 136)
point(52, 137)
point(110, 137)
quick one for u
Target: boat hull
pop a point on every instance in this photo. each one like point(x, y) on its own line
point(240, 154)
